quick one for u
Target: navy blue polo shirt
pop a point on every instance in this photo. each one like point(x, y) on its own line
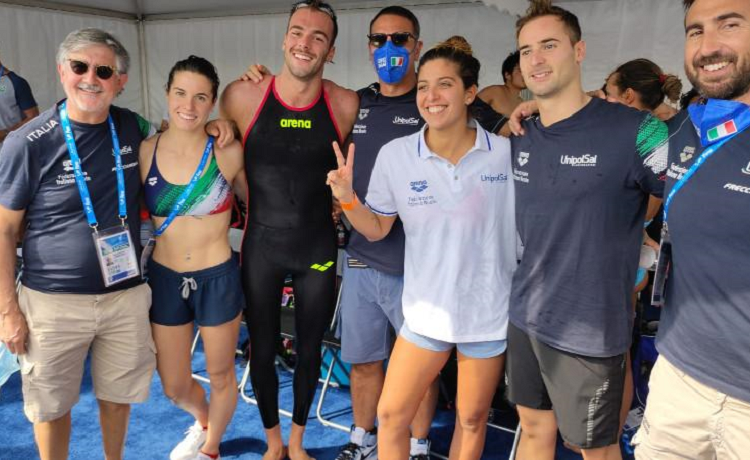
point(36, 175)
point(705, 324)
point(582, 187)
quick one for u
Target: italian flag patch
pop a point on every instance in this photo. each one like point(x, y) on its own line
point(397, 61)
point(722, 130)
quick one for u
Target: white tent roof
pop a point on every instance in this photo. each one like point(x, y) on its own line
point(173, 9)
point(235, 33)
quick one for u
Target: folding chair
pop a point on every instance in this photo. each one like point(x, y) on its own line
point(330, 345)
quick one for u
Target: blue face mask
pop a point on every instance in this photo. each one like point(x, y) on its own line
point(391, 62)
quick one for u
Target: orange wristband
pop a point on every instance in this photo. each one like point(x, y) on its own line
point(349, 205)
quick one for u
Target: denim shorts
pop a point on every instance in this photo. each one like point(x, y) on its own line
point(476, 350)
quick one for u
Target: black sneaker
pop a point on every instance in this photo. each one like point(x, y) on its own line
point(353, 451)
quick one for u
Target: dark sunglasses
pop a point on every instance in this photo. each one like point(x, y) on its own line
point(397, 38)
point(103, 72)
point(324, 7)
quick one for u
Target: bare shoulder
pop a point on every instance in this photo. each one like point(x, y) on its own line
point(232, 151)
point(490, 92)
point(241, 99)
point(146, 153)
point(146, 150)
point(230, 159)
point(345, 105)
point(343, 97)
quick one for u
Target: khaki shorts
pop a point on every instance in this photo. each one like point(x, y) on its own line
point(686, 419)
point(62, 329)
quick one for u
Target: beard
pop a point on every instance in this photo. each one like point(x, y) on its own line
point(731, 87)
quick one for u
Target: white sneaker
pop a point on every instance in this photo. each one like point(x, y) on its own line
point(189, 448)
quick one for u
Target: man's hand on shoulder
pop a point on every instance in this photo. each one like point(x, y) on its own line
point(255, 73)
point(524, 110)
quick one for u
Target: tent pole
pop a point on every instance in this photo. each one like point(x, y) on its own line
point(143, 55)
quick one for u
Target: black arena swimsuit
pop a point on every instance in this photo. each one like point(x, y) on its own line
point(289, 231)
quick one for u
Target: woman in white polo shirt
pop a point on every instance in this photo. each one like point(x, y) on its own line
point(452, 186)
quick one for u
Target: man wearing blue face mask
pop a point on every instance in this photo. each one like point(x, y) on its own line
point(373, 272)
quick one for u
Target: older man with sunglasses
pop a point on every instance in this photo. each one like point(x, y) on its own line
point(71, 175)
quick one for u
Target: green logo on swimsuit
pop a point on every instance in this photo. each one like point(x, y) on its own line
point(322, 268)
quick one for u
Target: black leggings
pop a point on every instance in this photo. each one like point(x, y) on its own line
point(268, 256)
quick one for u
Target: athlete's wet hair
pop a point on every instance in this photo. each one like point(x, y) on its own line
point(687, 4)
point(458, 51)
point(510, 63)
point(317, 5)
point(197, 65)
point(541, 8)
point(647, 79)
point(398, 11)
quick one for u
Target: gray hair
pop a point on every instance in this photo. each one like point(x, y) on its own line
point(83, 38)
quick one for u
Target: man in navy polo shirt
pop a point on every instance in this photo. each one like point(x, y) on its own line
point(80, 286)
point(17, 104)
point(699, 399)
point(371, 308)
point(584, 171)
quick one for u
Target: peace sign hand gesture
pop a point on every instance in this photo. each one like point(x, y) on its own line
point(340, 180)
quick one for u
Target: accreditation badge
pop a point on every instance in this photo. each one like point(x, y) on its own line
point(116, 254)
point(662, 269)
point(148, 249)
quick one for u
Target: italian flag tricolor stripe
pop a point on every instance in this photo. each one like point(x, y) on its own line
point(722, 130)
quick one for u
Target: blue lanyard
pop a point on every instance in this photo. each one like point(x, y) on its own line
point(83, 189)
point(698, 163)
point(188, 189)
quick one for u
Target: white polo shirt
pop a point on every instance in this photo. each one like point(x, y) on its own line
point(460, 231)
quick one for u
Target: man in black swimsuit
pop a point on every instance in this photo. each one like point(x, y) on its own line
point(289, 123)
